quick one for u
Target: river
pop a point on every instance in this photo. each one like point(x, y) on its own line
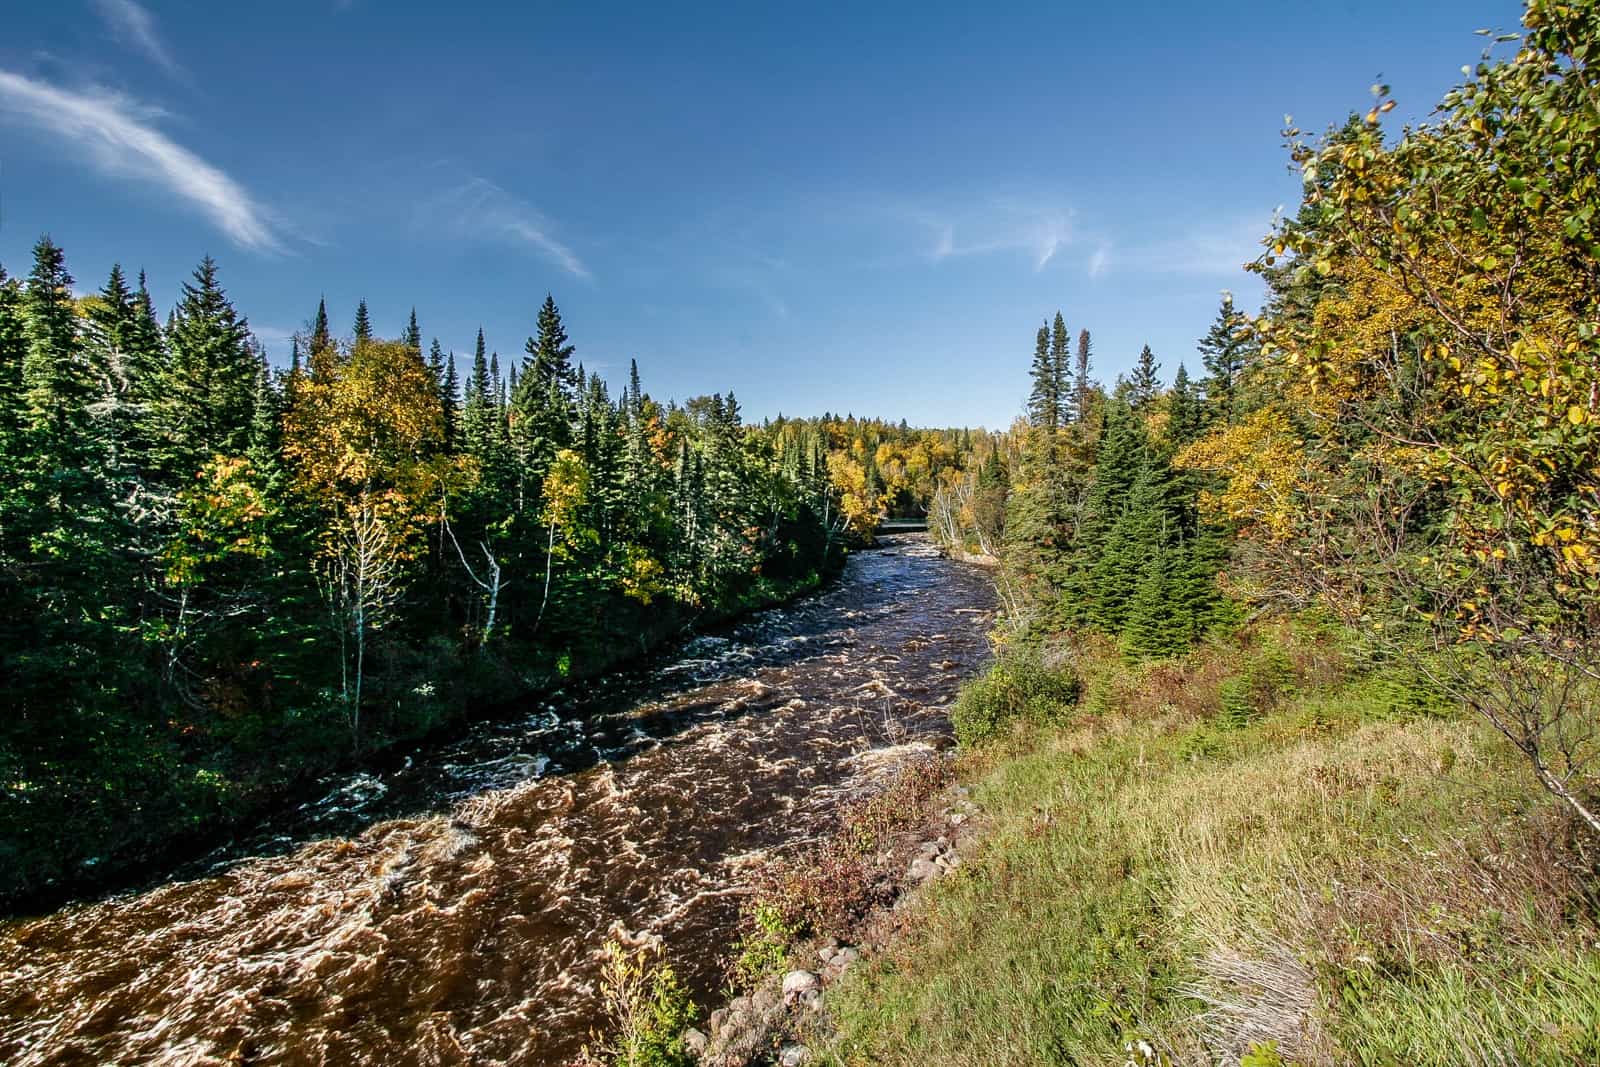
point(451, 908)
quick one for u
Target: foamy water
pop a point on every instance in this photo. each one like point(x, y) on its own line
point(452, 909)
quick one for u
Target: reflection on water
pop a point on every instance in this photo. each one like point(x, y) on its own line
point(450, 909)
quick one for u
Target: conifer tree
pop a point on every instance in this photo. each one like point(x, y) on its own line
point(13, 349)
point(1183, 410)
point(208, 400)
point(413, 335)
point(56, 383)
point(363, 323)
point(450, 397)
point(1225, 349)
point(1082, 388)
point(1044, 404)
point(1145, 383)
point(321, 336)
point(265, 428)
point(111, 338)
point(1060, 353)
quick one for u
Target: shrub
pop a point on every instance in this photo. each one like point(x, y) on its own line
point(1020, 684)
point(649, 1008)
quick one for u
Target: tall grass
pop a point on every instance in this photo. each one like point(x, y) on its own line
point(1342, 874)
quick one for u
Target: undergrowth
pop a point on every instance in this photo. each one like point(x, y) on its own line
point(1275, 851)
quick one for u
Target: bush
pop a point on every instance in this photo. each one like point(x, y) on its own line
point(649, 1008)
point(1020, 684)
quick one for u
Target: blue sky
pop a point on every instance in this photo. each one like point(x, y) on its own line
point(848, 207)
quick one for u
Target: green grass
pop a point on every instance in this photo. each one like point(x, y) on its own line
point(1343, 875)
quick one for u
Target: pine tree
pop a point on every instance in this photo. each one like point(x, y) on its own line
point(450, 396)
point(111, 338)
point(13, 349)
point(478, 408)
point(1225, 349)
point(321, 336)
point(1044, 404)
point(265, 426)
point(1145, 384)
point(56, 384)
point(1060, 346)
point(1082, 388)
point(208, 401)
point(413, 335)
point(1183, 410)
point(549, 356)
point(363, 323)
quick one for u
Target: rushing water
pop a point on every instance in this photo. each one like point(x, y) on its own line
point(451, 909)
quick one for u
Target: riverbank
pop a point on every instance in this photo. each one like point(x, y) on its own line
point(473, 687)
point(453, 909)
point(1269, 852)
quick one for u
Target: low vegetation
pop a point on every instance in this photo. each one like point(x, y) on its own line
point(1258, 854)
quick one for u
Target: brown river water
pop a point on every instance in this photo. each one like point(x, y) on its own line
point(452, 908)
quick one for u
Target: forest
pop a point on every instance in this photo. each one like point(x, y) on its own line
point(219, 580)
point(1289, 755)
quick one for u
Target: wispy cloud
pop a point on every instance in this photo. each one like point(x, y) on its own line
point(1099, 261)
point(999, 224)
point(479, 208)
point(135, 26)
point(1219, 249)
point(119, 138)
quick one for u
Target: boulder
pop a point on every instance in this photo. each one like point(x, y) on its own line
point(922, 869)
point(797, 983)
point(694, 1041)
point(794, 1056)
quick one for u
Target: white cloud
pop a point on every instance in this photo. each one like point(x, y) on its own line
point(134, 25)
point(1004, 224)
point(119, 139)
point(480, 208)
point(1099, 261)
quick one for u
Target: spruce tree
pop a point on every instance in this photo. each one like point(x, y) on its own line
point(13, 349)
point(1060, 349)
point(1183, 410)
point(110, 340)
point(321, 336)
point(265, 427)
point(1044, 404)
point(56, 383)
point(450, 397)
point(1226, 349)
point(1145, 384)
point(1081, 387)
point(208, 401)
point(363, 323)
point(413, 335)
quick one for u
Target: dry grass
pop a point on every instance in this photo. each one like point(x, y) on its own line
point(1350, 882)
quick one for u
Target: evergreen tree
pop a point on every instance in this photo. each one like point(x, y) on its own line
point(1060, 349)
point(56, 383)
point(1145, 384)
point(208, 401)
point(1044, 404)
point(450, 397)
point(413, 335)
point(478, 407)
point(321, 336)
point(1184, 417)
point(111, 338)
point(1082, 388)
point(265, 428)
point(1225, 349)
point(363, 323)
point(13, 349)
point(550, 353)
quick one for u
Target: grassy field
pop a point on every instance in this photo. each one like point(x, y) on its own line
point(1259, 855)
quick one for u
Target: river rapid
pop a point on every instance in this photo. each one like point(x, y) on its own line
point(451, 909)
